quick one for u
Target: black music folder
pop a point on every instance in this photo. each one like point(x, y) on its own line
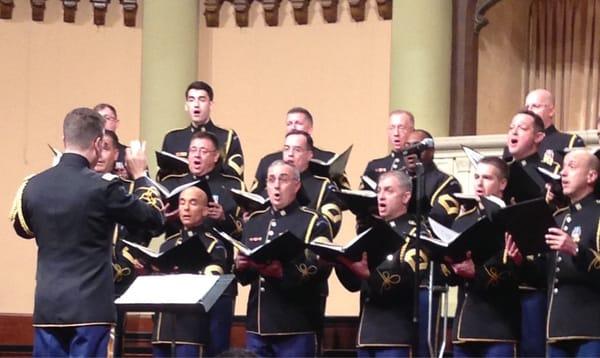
point(171, 163)
point(333, 168)
point(174, 252)
point(528, 222)
point(524, 183)
point(483, 238)
point(172, 196)
point(283, 247)
point(359, 202)
point(352, 250)
point(250, 201)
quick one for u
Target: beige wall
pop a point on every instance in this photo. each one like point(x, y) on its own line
point(340, 72)
point(502, 62)
point(47, 69)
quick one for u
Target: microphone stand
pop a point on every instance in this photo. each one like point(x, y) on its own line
point(420, 191)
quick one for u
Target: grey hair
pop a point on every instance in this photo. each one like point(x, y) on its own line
point(278, 162)
point(402, 177)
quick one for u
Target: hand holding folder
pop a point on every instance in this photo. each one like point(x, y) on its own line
point(283, 247)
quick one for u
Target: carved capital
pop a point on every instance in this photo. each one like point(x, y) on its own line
point(300, 11)
point(384, 7)
point(357, 9)
point(242, 8)
point(482, 7)
point(6, 8)
point(37, 9)
point(330, 10)
point(212, 8)
point(100, 7)
point(69, 10)
point(271, 11)
point(130, 8)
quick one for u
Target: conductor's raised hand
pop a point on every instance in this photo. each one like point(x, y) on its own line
point(135, 157)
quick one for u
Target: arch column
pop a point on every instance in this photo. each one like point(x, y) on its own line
point(421, 59)
point(169, 64)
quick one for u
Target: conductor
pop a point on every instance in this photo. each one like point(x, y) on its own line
point(71, 211)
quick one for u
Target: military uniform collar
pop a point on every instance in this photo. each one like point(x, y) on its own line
point(208, 126)
point(396, 155)
point(533, 158)
point(585, 202)
point(74, 160)
point(285, 211)
point(208, 176)
point(400, 220)
point(551, 129)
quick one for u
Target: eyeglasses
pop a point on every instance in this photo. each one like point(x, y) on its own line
point(282, 179)
point(202, 151)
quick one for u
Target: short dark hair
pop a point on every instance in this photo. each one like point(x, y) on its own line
point(113, 136)
point(200, 85)
point(309, 141)
point(101, 106)
point(538, 122)
point(206, 135)
point(497, 163)
point(82, 126)
point(303, 111)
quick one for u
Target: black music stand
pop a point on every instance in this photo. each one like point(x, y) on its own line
point(135, 299)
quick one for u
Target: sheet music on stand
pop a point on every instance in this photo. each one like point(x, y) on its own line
point(173, 292)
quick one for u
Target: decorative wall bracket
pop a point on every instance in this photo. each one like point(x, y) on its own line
point(6, 8)
point(330, 10)
point(357, 9)
point(242, 8)
point(130, 8)
point(384, 7)
point(100, 7)
point(69, 10)
point(482, 7)
point(300, 11)
point(271, 11)
point(212, 8)
point(37, 9)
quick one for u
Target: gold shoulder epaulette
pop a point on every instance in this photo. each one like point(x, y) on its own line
point(325, 179)
point(309, 210)
point(560, 210)
point(16, 211)
point(213, 243)
point(174, 176)
point(254, 213)
point(466, 212)
point(174, 236)
point(174, 130)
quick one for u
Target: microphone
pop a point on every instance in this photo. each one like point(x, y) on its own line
point(418, 148)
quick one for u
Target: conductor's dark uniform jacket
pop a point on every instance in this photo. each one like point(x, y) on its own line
point(71, 211)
